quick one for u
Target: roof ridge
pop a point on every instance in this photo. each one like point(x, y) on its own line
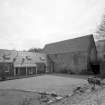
point(70, 39)
point(80, 43)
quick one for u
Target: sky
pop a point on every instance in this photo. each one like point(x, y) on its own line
point(26, 24)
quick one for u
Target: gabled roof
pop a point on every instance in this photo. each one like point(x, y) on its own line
point(71, 45)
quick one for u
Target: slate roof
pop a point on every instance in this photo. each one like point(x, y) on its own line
point(71, 45)
point(29, 59)
point(22, 58)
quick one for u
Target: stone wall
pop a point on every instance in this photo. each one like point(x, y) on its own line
point(6, 69)
point(74, 62)
point(41, 68)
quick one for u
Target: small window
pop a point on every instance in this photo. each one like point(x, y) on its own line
point(6, 57)
point(28, 57)
point(7, 68)
point(42, 58)
point(30, 71)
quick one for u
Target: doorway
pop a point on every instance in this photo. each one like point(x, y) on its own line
point(17, 71)
point(95, 68)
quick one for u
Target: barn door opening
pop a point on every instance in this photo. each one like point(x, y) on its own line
point(95, 68)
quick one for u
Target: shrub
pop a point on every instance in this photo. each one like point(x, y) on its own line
point(63, 71)
point(85, 72)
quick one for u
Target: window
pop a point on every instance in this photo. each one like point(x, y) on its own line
point(28, 57)
point(6, 66)
point(17, 71)
point(6, 57)
point(30, 71)
point(42, 58)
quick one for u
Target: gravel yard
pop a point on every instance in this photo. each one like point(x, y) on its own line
point(59, 84)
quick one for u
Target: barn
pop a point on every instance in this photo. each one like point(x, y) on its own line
point(77, 55)
point(29, 63)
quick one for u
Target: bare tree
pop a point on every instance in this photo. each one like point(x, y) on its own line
point(101, 29)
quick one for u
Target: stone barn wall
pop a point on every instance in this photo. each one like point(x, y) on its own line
point(75, 62)
point(102, 68)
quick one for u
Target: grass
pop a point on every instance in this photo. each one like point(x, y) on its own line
point(60, 84)
point(26, 101)
point(18, 97)
point(19, 92)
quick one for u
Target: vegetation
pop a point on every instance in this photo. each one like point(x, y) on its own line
point(36, 50)
point(101, 29)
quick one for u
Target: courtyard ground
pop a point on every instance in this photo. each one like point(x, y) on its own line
point(28, 91)
point(60, 84)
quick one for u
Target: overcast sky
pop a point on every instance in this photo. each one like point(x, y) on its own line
point(33, 23)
